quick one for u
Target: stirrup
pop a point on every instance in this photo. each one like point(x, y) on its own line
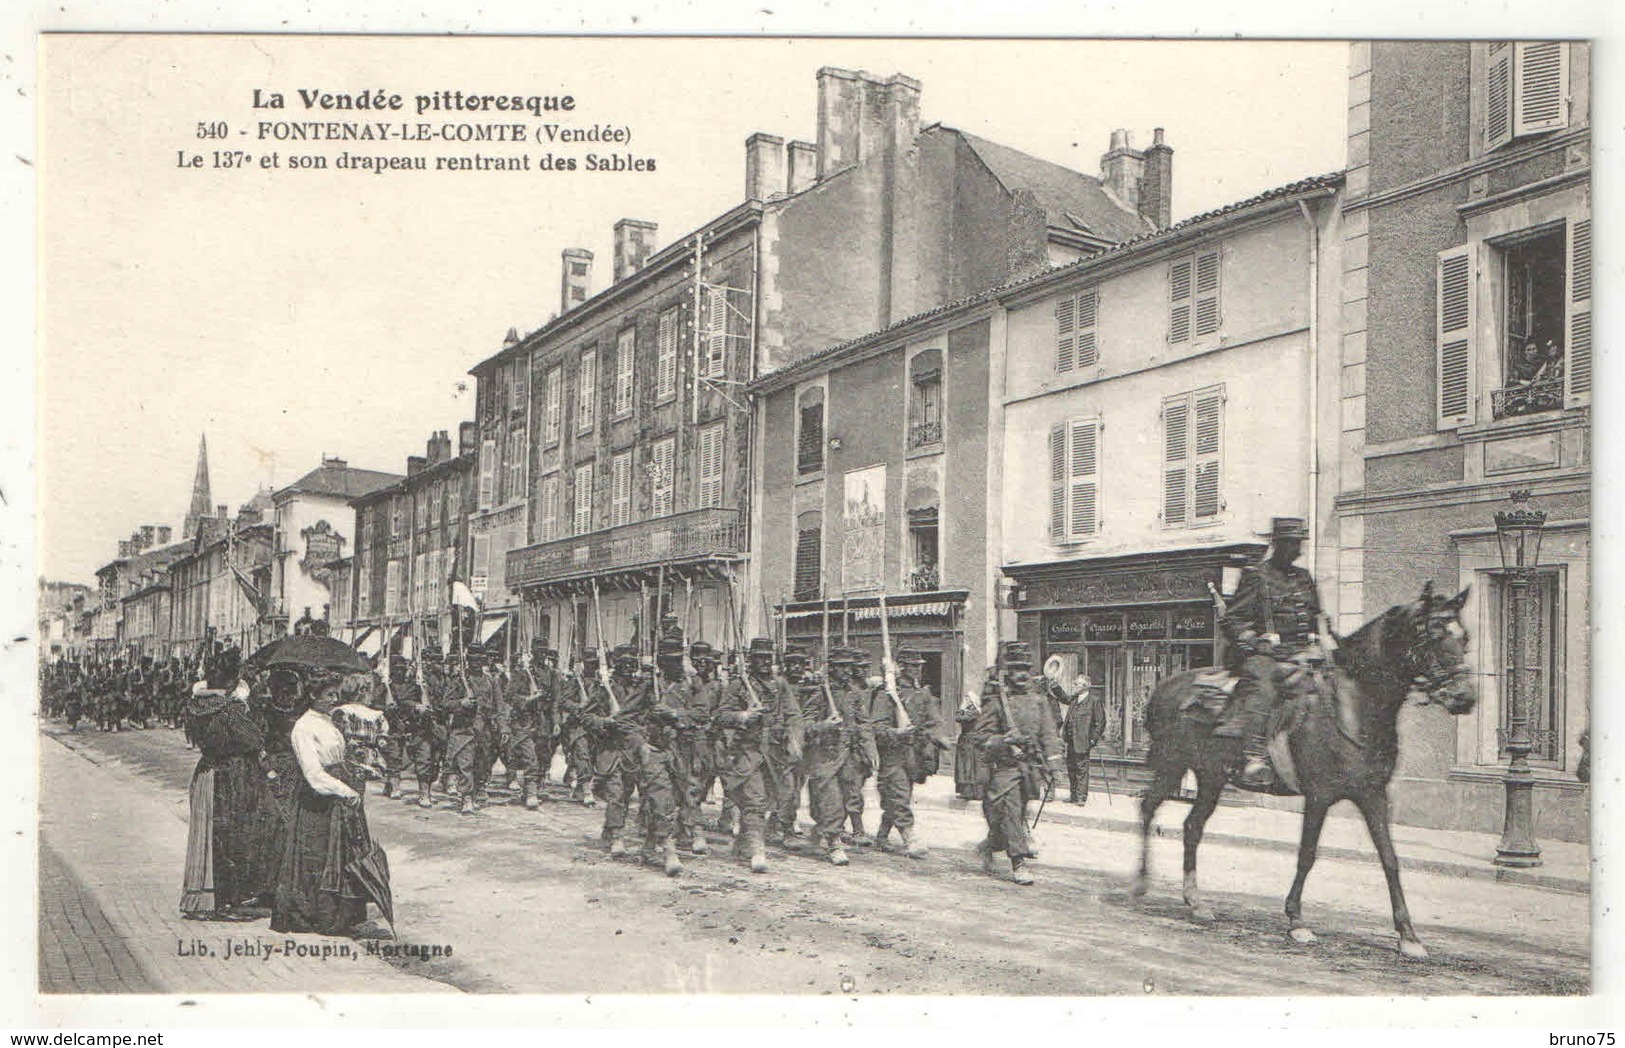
point(1257, 772)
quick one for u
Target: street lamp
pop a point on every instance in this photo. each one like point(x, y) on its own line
point(1518, 533)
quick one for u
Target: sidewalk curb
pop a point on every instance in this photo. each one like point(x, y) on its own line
point(1484, 871)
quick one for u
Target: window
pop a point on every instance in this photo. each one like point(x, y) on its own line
point(666, 347)
point(583, 495)
point(810, 430)
point(480, 574)
point(709, 466)
point(363, 599)
point(714, 349)
point(587, 391)
point(926, 575)
point(1193, 296)
point(454, 501)
point(517, 460)
point(552, 405)
point(620, 489)
point(488, 466)
point(1526, 90)
point(437, 495)
point(396, 512)
point(421, 501)
point(1543, 670)
point(925, 399)
point(1193, 441)
point(1075, 345)
point(392, 588)
point(547, 527)
point(1074, 498)
point(516, 400)
point(662, 469)
point(809, 566)
point(420, 580)
point(625, 350)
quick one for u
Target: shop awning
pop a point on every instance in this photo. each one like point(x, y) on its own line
point(369, 642)
point(490, 625)
point(901, 606)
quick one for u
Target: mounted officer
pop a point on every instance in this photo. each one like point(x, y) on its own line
point(1272, 620)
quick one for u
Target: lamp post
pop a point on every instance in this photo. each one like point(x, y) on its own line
point(1518, 533)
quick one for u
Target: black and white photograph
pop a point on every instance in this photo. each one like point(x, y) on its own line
point(815, 517)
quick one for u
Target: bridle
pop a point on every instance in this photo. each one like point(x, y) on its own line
point(1427, 671)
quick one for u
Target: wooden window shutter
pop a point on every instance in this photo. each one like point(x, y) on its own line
point(810, 439)
point(1540, 88)
point(809, 568)
point(716, 342)
point(1066, 337)
point(583, 498)
point(1176, 413)
point(1179, 300)
point(1207, 449)
point(554, 404)
point(1207, 293)
point(392, 587)
point(1577, 373)
point(1498, 95)
point(1057, 483)
point(1083, 480)
point(1455, 318)
point(661, 478)
point(625, 353)
point(710, 463)
point(488, 466)
point(1088, 311)
point(587, 393)
point(666, 351)
point(620, 509)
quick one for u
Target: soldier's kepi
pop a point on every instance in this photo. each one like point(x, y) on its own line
point(1273, 618)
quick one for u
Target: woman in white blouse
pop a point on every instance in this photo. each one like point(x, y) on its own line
point(331, 866)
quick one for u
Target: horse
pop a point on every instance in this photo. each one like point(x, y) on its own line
point(1343, 746)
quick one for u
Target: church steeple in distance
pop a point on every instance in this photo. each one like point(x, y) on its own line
point(201, 499)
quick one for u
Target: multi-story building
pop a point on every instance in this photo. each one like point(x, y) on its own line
point(313, 520)
point(409, 538)
point(57, 616)
point(618, 437)
point(1159, 404)
point(1085, 449)
point(1467, 370)
point(219, 588)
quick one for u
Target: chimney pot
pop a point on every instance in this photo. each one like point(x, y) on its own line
point(764, 166)
point(575, 281)
point(634, 243)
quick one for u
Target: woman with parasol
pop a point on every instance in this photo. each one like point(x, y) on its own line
point(331, 867)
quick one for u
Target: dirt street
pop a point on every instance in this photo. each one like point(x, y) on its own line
point(529, 902)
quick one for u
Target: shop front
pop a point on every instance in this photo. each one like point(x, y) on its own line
point(1127, 622)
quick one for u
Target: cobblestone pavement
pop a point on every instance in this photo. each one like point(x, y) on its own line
point(79, 949)
point(530, 902)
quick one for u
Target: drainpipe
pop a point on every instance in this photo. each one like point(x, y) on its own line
point(1314, 390)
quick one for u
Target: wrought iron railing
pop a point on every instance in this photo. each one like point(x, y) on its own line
point(927, 579)
point(1543, 743)
point(1544, 394)
point(695, 535)
point(921, 434)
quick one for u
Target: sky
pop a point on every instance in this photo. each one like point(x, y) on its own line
point(292, 314)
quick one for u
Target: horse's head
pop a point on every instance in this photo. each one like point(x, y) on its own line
point(1436, 655)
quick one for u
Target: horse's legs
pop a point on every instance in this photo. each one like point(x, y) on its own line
point(1314, 817)
point(1209, 786)
point(1374, 806)
point(1164, 783)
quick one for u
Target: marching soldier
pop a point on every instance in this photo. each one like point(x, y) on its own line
point(544, 667)
point(471, 718)
point(907, 741)
point(1016, 733)
point(823, 756)
point(636, 739)
point(852, 696)
point(753, 705)
point(784, 779)
point(682, 694)
point(1273, 619)
point(582, 697)
point(705, 698)
point(528, 721)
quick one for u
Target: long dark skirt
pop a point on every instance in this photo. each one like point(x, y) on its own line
point(314, 890)
point(223, 837)
point(275, 817)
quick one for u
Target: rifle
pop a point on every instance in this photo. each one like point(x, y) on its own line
point(829, 696)
point(688, 621)
point(736, 613)
point(603, 665)
point(1010, 728)
point(889, 669)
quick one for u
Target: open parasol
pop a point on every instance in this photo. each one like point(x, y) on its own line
point(309, 651)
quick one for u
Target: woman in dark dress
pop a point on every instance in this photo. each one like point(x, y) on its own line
point(227, 788)
point(330, 865)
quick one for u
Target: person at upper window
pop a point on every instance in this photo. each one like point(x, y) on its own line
point(1274, 617)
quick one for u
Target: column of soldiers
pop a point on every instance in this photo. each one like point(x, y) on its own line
point(658, 739)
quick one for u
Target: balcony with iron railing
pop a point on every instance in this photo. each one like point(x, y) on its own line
point(702, 534)
point(1529, 398)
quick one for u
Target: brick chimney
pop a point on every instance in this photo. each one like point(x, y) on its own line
point(124, 549)
point(415, 464)
point(1121, 168)
point(334, 462)
point(164, 532)
point(438, 448)
point(468, 437)
point(1157, 185)
point(803, 162)
point(149, 535)
point(764, 166)
point(221, 512)
point(862, 116)
point(634, 243)
point(575, 278)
